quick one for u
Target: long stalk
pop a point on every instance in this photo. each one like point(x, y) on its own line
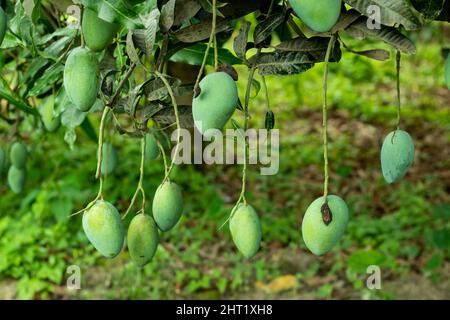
point(325, 116)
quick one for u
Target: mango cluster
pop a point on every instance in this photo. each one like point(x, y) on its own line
point(81, 71)
point(17, 173)
point(104, 228)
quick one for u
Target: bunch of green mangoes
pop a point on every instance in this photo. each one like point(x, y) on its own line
point(2, 25)
point(17, 173)
point(319, 15)
point(81, 71)
point(104, 228)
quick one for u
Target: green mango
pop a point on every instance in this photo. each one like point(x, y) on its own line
point(97, 32)
point(109, 158)
point(319, 237)
point(142, 239)
point(447, 72)
point(397, 155)
point(245, 230)
point(215, 104)
point(51, 123)
point(16, 179)
point(81, 78)
point(18, 155)
point(2, 25)
point(319, 15)
point(167, 205)
point(151, 147)
point(103, 227)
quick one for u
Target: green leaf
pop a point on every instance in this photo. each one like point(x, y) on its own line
point(393, 12)
point(48, 79)
point(240, 42)
point(316, 47)
point(282, 63)
point(390, 35)
point(167, 15)
point(265, 28)
point(193, 55)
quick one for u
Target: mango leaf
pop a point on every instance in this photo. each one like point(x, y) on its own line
point(156, 90)
point(390, 35)
point(144, 39)
point(115, 11)
point(393, 12)
point(316, 47)
point(346, 18)
point(375, 54)
point(282, 63)
point(167, 15)
point(240, 42)
point(265, 28)
point(185, 10)
point(131, 49)
point(167, 116)
point(193, 55)
point(48, 79)
point(200, 31)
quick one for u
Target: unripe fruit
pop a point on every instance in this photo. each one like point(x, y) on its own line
point(320, 237)
point(16, 179)
point(2, 25)
point(245, 230)
point(18, 155)
point(397, 155)
point(104, 229)
point(151, 147)
point(81, 79)
point(51, 123)
point(319, 15)
point(109, 158)
point(142, 239)
point(216, 102)
point(97, 32)
point(447, 72)
point(167, 205)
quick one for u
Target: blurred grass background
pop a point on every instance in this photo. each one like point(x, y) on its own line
point(403, 228)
